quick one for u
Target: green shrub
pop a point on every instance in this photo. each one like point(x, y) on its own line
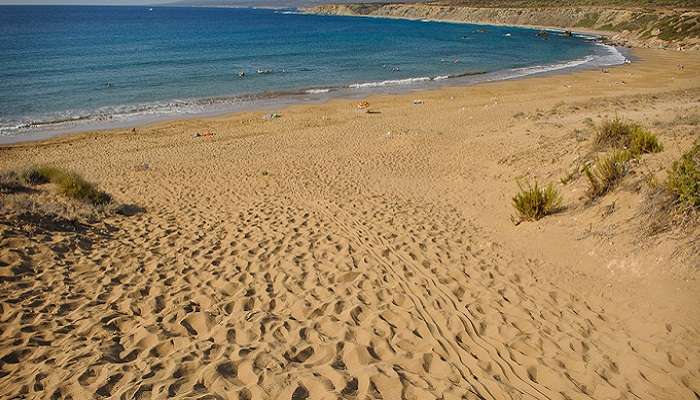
point(619, 134)
point(614, 133)
point(68, 183)
point(534, 202)
point(643, 141)
point(41, 174)
point(684, 179)
point(74, 186)
point(607, 172)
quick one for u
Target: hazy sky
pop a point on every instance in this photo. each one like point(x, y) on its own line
point(108, 2)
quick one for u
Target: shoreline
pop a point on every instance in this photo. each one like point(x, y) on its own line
point(284, 103)
point(264, 102)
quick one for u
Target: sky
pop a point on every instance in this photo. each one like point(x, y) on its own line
point(104, 2)
point(101, 2)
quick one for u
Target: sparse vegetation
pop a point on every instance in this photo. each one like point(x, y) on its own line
point(573, 3)
point(628, 140)
point(607, 172)
point(534, 202)
point(68, 183)
point(643, 142)
point(684, 179)
point(619, 134)
point(53, 199)
point(689, 119)
point(39, 175)
point(10, 182)
point(570, 176)
point(614, 133)
point(675, 204)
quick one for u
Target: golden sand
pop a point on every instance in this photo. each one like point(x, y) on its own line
point(334, 253)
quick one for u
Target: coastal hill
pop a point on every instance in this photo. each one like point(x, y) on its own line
point(577, 3)
point(262, 3)
point(653, 24)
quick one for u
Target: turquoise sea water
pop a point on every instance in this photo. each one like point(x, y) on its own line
point(67, 67)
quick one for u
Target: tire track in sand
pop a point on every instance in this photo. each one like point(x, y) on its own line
point(521, 387)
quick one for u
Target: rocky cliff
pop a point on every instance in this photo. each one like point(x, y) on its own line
point(667, 28)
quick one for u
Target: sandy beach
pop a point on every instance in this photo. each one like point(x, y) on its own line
point(335, 253)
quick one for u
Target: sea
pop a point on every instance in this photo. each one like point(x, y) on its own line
point(72, 68)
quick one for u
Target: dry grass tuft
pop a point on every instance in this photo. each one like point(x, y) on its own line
point(643, 142)
point(48, 200)
point(10, 182)
point(619, 134)
point(613, 133)
point(534, 202)
point(676, 203)
point(684, 179)
point(68, 183)
point(69, 204)
point(607, 172)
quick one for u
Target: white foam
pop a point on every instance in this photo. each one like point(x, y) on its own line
point(393, 82)
point(551, 67)
point(587, 37)
point(6, 129)
point(317, 91)
point(614, 57)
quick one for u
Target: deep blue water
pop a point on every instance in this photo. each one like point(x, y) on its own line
point(119, 63)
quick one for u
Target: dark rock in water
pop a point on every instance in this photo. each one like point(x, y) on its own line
point(568, 34)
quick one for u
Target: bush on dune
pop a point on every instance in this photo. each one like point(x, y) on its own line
point(613, 133)
point(68, 183)
point(684, 179)
point(619, 134)
point(628, 140)
point(676, 203)
point(643, 142)
point(534, 202)
point(607, 172)
point(39, 175)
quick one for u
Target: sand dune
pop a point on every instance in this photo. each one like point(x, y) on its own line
point(335, 254)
